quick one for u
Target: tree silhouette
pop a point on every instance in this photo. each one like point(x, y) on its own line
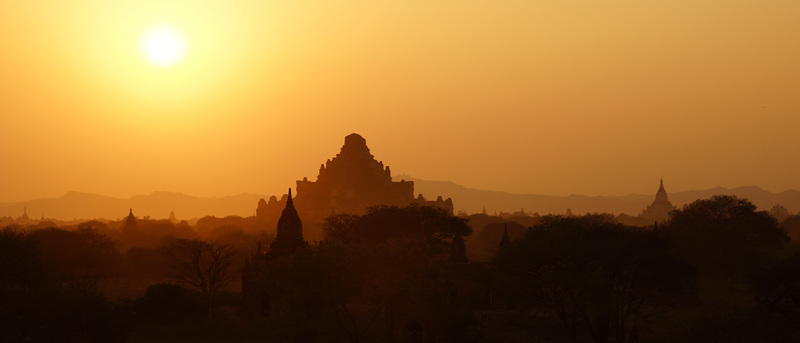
point(777, 288)
point(84, 254)
point(592, 273)
point(725, 235)
point(38, 305)
point(203, 265)
point(430, 228)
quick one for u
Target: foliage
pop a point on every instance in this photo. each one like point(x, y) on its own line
point(725, 235)
point(84, 254)
point(430, 228)
point(167, 302)
point(777, 288)
point(20, 261)
point(779, 212)
point(355, 284)
point(203, 265)
point(592, 273)
point(37, 305)
point(737, 325)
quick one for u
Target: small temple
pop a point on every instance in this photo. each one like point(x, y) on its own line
point(658, 211)
point(24, 216)
point(290, 231)
point(255, 289)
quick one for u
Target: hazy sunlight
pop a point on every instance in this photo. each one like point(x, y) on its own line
point(163, 46)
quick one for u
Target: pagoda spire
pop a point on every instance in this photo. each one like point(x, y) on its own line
point(661, 194)
point(506, 239)
point(290, 230)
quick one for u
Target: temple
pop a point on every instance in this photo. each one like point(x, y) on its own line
point(256, 289)
point(350, 182)
point(24, 216)
point(290, 231)
point(658, 211)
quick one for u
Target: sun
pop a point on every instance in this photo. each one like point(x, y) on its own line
point(163, 46)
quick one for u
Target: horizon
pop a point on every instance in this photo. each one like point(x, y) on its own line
point(395, 178)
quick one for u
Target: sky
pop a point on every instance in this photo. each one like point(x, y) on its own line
point(548, 97)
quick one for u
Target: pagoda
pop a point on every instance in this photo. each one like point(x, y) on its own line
point(290, 230)
point(659, 210)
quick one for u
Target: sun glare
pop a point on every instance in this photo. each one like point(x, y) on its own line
point(163, 46)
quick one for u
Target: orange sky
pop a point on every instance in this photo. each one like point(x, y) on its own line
point(550, 97)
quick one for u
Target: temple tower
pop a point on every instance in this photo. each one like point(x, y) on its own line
point(506, 239)
point(290, 230)
point(659, 210)
point(130, 222)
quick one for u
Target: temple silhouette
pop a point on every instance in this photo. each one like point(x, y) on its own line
point(290, 231)
point(658, 211)
point(350, 182)
point(256, 289)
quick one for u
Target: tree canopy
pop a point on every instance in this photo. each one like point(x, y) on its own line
point(592, 273)
point(431, 228)
point(725, 235)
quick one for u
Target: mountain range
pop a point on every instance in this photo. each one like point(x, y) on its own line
point(473, 200)
point(158, 205)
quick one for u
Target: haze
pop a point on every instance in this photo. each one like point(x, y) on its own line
point(547, 97)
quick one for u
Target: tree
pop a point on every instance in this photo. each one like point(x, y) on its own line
point(779, 212)
point(592, 273)
point(724, 235)
point(777, 288)
point(430, 228)
point(167, 302)
point(37, 305)
point(203, 265)
point(356, 284)
point(84, 254)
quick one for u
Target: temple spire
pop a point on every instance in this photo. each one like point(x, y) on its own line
point(661, 206)
point(506, 240)
point(290, 230)
point(661, 194)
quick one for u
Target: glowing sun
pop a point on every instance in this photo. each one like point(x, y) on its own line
point(163, 46)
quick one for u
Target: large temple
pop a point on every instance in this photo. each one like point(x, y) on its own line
point(350, 182)
point(659, 210)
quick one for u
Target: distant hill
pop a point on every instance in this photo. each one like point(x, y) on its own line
point(158, 205)
point(473, 200)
